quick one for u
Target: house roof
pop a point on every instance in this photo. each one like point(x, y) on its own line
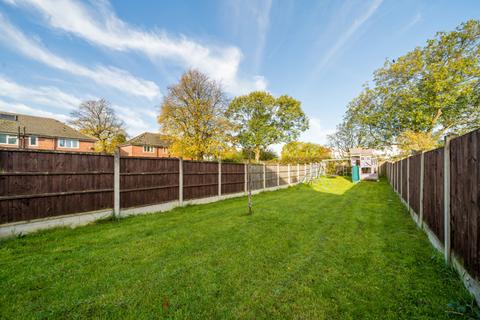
point(149, 139)
point(39, 126)
point(361, 152)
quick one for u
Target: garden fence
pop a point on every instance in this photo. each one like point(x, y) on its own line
point(45, 184)
point(441, 189)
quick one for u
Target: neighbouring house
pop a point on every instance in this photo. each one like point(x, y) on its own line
point(147, 144)
point(31, 132)
point(366, 160)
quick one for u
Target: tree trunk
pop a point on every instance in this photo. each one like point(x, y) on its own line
point(257, 155)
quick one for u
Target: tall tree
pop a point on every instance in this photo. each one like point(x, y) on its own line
point(430, 91)
point(193, 115)
point(97, 119)
point(348, 135)
point(304, 152)
point(262, 120)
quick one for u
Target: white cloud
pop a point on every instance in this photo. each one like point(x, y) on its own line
point(137, 121)
point(46, 96)
point(316, 133)
point(110, 76)
point(25, 109)
point(99, 25)
point(345, 37)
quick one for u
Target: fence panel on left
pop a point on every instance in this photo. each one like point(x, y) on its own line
point(36, 185)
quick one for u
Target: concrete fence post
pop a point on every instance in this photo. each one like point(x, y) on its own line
point(422, 173)
point(219, 177)
point(116, 184)
point(446, 198)
point(264, 176)
point(408, 184)
point(298, 172)
point(180, 181)
point(289, 177)
point(278, 174)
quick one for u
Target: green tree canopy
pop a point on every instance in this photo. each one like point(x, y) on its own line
point(262, 120)
point(432, 90)
point(304, 152)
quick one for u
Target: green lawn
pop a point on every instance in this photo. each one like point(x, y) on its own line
point(331, 250)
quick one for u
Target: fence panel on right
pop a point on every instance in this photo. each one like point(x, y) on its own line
point(414, 182)
point(465, 199)
point(147, 181)
point(272, 176)
point(283, 175)
point(256, 176)
point(233, 178)
point(433, 211)
point(200, 179)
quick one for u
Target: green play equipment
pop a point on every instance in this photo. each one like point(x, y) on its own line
point(355, 174)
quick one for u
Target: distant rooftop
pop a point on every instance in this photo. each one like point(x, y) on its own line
point(149, 139)
point(38, 126)
point(362, 152)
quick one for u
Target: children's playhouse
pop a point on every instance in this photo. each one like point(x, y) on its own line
point(366, 162)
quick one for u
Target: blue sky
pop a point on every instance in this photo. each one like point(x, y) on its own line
point(54, 54)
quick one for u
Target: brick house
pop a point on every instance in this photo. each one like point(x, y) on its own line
point(147, 144)
point(31, 132)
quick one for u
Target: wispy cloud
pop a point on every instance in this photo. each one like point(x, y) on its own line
point(99, 25)
point(109, 76)
point(251, 20)
point(33, 101)
point(25, 109)
point(416, 19)
point(46, 96)
point(347, 35)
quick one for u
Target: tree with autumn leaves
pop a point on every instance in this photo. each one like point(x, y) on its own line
point(204, 124)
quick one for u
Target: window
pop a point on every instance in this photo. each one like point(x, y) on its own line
point(68, 143)
point(148, 149)
point(6, 139)
point(33, 141)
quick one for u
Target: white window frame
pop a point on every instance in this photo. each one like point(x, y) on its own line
point(30, 141)
point(7, 137)
point(67, 139)
point(148, 149)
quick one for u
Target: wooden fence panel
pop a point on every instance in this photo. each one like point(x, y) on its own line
point(414, 182)
point(404, 178)
point(283, 175)
point(233, 178)
point(465, 200)
point(294, 173)
point(271, 175)
point(200, 179)
point(36, 185)
point(146, 181)
point(433, 213)
point(303, 172)
point(256, 174)
point(395, 176)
